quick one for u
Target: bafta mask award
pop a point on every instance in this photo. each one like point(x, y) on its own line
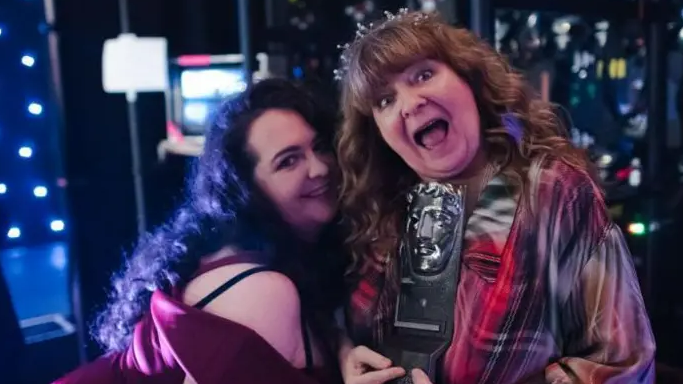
point(430, 269)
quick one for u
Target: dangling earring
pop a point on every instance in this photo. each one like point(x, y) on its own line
point(513, 126)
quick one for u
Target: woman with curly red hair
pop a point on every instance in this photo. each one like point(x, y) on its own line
point(547, 289)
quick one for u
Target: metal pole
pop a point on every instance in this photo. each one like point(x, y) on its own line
point(124, 19)
point(482, 19)
point(131, 100)
point(245, 37)
point(656, 122)
point(194, 22)
point(74, 274)
point(270, 15)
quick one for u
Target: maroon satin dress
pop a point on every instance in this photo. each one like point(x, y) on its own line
point(174, 340)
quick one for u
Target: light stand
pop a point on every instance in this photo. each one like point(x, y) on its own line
point(244, 23)
point(131, 101)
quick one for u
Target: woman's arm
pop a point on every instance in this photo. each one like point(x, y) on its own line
point(609, 334)
point(143, 361)
point(345, 348)
point(606, 330)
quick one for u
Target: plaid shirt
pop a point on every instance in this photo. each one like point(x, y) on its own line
point(548, 292)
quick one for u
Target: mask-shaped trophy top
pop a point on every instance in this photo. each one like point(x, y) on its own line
point(434, 210)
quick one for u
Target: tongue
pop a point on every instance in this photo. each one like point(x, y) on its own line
point(433, 137)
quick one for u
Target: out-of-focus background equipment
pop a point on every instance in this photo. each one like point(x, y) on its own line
point(198, 84)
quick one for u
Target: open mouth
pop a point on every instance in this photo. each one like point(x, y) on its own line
point(432, 134)
point(426, 249)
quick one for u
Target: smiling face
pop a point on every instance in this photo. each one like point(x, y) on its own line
point(294, 170)
point(428, 116)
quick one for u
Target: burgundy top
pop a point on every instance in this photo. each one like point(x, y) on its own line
point(174, 340)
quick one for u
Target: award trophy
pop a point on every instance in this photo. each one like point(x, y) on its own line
point(430, 269)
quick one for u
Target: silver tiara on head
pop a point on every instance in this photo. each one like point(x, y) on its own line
point(363, 30)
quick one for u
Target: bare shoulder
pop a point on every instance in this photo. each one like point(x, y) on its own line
point(206, 283)
point(266, 302)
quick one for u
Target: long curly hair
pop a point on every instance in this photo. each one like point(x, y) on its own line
point(224, 207)
point(375, 178)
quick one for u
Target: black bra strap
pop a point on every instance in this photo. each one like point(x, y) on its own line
point(307, 343)
point(218, 291)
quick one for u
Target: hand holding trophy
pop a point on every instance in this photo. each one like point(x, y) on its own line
point(361, 365)
point(419, 377)
point(365, 366)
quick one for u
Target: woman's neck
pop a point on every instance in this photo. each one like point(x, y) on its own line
point(308, 235)
point(475, 177)
point(222, 253)
point(472, 175)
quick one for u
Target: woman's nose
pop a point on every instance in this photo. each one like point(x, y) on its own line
point(411, 103)
point(317, 167)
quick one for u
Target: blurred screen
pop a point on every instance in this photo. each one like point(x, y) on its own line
point(202, 91)
point(211, 83)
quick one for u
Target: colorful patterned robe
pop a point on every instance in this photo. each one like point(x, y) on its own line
point(548, 291)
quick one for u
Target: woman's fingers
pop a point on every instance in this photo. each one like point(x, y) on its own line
point(366, 356)
point(382, 376)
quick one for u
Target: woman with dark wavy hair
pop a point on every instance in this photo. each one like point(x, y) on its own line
point(241, 285)
point(547, 291)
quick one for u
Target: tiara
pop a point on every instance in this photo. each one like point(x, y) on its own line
point(362, 30)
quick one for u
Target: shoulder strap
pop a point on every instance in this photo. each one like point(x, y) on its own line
point(218, 291)
point(308, 350)
point(241, 257)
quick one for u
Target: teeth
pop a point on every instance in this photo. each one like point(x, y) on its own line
point(426, 126)
point(418, 133)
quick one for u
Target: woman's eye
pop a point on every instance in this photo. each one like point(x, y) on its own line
point(383, 102)
point(287, 162)
point(424, 75)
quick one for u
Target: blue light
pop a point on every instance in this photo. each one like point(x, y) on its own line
point(3, 189)
point(0, 31)
point(25, 152)
point(28, 60)
point(57, 225)
point(297, 72)
point(14, 233)
point(35, 109)
point(40, 191)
